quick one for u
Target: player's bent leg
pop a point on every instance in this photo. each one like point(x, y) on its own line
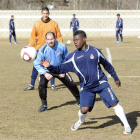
point(82, 116)
point(87, 100)
point(69, 83)
point(110, 100)
point(121, 114)
point(43, 92)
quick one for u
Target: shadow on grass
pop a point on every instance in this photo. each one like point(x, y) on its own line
point(132, 119)
point(69, 103)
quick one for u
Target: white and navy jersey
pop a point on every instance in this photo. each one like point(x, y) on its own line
point(119, 23)
point(74, 23)
point(86, 65)
point(11, 25)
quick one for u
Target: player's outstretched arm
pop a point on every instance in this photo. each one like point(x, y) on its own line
point(64, 67)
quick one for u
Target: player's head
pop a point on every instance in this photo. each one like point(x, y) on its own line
point(74, 15)
point(50, 39)
point(118, 15)
point(45, 13)
point(12, 17)
point(79, 39)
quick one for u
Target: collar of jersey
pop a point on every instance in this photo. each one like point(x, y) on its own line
point(83, 50)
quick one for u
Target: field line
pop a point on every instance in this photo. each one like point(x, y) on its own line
point(127, 77)
point(109, 58)
point(124, 47)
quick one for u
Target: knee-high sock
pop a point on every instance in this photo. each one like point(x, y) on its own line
point(121, 114)
point(82, 116)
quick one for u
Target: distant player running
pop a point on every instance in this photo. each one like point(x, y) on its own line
point(55, 52)
point(119, 28)
point(74, 23)
point(85, 62)
point(40, 28)
point(12, 30)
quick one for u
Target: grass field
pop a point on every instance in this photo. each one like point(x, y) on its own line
point(19, 117)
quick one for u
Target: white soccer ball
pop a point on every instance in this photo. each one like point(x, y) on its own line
point(28, 53)
point(68, 42)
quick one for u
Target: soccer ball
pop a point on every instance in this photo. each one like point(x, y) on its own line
point(68, 42)
point(28, 53)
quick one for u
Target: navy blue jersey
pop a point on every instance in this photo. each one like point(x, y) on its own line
point(86, 65)
point(74, 23)
point(119, 23)
point(11, 25)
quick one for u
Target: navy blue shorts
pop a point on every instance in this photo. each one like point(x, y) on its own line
point(107, 95)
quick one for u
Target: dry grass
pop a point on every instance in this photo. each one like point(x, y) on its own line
point(19, 119)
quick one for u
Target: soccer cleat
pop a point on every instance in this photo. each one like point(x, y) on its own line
point(127, 131)
point(29, 88)
point(53, 88)
point(42, 108)
point(10, 43)
point(121, 42)
point(117, 42)
point(15, 42)
point(76, 125)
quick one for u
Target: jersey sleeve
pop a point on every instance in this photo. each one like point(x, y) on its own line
point(107, 66)
point(32, 40)
point(64, 67)
point(120, 23)
point(37, 64)
point(10, 25)
point(70, 23)
point(58, 34)
point(77, 23)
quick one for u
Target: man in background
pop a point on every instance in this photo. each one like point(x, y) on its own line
point(74, 23)
point(40, 28)
point(12, 30)
point(119, 28)
point(56, 53)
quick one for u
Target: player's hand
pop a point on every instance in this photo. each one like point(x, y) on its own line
point(118, 83)
point(117, 29)
point(62, 75)
point(45, 63)
point(12, 31)
point(48, 76)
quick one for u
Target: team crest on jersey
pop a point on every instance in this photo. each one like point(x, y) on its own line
point(58, 52)
point(91, 56)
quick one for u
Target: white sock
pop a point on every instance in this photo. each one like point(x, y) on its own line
point(52, 85)
point(82, 116)
point(121, 114)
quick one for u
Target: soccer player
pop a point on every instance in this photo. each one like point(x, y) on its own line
point(74, 23)
point(85, 61)
point(40, 28)
point(55, 52)
point(119, 28)
point(12, 30)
